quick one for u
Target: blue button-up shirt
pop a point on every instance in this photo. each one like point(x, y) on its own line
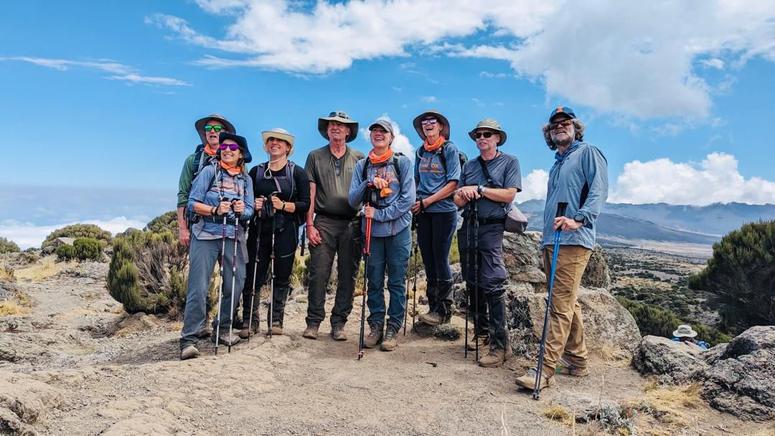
point(581, 165)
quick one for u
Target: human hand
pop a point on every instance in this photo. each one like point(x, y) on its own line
point(566, 224)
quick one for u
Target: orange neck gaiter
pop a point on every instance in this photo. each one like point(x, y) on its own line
point(210, 151)
point(374, 159)
point(233, 170)
point(436, 145)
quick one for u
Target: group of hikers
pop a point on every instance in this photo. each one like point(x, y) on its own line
point(352, 206)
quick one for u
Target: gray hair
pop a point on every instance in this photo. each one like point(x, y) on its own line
point(578, 127)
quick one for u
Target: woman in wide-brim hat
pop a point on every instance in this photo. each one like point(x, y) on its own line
point(281, 189)
point(222, 199)
point(437, 171)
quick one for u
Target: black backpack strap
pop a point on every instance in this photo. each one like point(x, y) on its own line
point(197, 165)
point(365, 172)
point(485, 171)
point(440, 152)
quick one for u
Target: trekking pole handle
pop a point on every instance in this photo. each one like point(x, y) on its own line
point(561, 209)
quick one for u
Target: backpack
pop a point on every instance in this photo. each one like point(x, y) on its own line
point(289, 169)
point(365, 171)
point(198, 163)
point(442, 157)
point(193, 218)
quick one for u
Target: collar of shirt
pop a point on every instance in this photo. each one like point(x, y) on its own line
point(573, 147)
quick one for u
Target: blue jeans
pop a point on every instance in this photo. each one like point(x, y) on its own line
point(391, 253)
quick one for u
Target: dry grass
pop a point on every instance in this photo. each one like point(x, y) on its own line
point(6, 274)
point(10, 308)
point(47, 267)
point(560, 414)
point(673, 408)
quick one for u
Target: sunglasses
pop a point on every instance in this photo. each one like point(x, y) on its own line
point(485, 134)
point(217, 129)
point(563, 124)
point(339, 115)
point(429, 121)
point(232, 147)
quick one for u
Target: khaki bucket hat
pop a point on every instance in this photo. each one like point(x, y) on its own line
point(199, 125)
point(684, 331)
point(489, 124)
point(431, 113)
point(279, 134)
point(341, 117)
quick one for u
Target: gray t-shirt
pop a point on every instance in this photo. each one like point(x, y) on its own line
point(504, 172)
point(332, 178)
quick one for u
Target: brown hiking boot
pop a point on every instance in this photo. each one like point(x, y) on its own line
point(431, 318)
point(311, 332)
point(391, 340)
point(277, 329)
point(496, 357)
point(189, 352)
point(566, 366)
point(374, 337)
point(205, 332)
point(484, 341)
point(337, 332)
point(226, 339)
point(528, 381)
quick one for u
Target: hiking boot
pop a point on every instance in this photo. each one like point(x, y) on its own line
point(189, 352)
point(205, 332)
point(565, 366)
point(311, 332)
point(374, 337)
point(225, 339)
point(277, 329)
point(496, 357)
point(337, 332)
point(431, 318)
point(484, 342)
point(247, 326)
point(391, 340)
point(528, 381)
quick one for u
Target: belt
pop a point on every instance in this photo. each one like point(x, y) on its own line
point(334, 216)
point(491, 221)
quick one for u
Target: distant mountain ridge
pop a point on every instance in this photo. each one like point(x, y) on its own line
point(666, 222)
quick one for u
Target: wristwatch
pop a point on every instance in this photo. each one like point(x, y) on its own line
point(579, 218)
point(480, 189)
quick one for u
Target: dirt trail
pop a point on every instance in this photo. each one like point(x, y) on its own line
point(100, 372)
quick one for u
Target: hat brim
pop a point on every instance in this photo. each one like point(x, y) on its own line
point(241, 141)
point(323, 127)
point(417, 123)
point(501, 132)
point(279, 135)
point(678, 334)
point(199, 125)
point(561, 114)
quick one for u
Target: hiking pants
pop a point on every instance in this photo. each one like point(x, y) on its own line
point(203, 255)
point(389, 254)
point(434, 237)
point(566, 330)
point(340, 238)
point(285, 242)
point(490, 312)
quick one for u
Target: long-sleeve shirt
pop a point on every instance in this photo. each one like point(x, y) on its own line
point(209, 187)
point(393, 212)
point(581, 169)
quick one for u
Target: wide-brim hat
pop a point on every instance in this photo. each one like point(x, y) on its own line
point(340, 117)
point(279, 134)
point(684, 331)
point(199, 125)
point(241, 141)
point(490, 124)
point(435, 114)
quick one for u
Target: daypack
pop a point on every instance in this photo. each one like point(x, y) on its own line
point(442, 157)
point(516, 221)
point(198, 162)
point(365, 171)
point(289, 168)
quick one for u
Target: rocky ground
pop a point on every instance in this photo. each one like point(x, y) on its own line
point(72, 362)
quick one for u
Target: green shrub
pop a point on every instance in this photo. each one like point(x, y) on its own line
point(654, 320)
point(742, 274)
point(65, 252)
point(78, 231)
point(8, 246)
point(166, 221)
point(87, 249)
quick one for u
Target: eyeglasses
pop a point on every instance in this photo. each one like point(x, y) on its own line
point(483, 134)
point(216, 128)
point(563, 124)
point(232, 147)
point(339, 115)
point(429, 121)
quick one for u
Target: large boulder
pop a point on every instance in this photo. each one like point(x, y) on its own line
point(523, 259)
point(742, 379)
point(597, 275)
point(673, 362)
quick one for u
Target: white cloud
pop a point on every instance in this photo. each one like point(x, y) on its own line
point(714, 180)
point(637, 58)
point(429, 99)
point(534, 186)
point(28, 235)
point(117, 70)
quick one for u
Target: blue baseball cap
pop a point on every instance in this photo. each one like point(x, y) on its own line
point(562, 110)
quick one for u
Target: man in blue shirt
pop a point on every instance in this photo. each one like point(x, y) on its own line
point(579, 177)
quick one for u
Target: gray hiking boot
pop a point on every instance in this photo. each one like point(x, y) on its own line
point(311, 332)
point(189, 352)
point(496, 357)
point(528, 381)
point(205, 332)
point(484, 342)
point(391, 340)
point(374, 337)
point(277, 329)
point(337, 332)
point(226, 339)
point(432, 318)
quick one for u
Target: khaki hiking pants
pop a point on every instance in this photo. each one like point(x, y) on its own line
point(566, 329)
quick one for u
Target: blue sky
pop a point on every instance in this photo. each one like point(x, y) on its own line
point(105, 94)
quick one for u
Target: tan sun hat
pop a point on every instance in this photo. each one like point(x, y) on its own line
point(199, 125)
point(340, 117)
point(279, 134)
point(684, 331)
point(490, 124)
point(435, 114)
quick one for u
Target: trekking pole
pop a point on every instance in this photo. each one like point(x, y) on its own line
point(539, 368)
point(255, 270)
point(271, 259)
point(220, 288)
point(366, 253)
point(414, 296)
point(476, 274)
point(468, 294)
point(233, 280)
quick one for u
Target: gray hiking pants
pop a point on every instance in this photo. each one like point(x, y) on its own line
point(203, 256)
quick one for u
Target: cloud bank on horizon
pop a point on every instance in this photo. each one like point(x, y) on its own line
point(659, 46)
